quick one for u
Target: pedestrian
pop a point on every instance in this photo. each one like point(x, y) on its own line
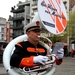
point(30, 52)
point(72, 53)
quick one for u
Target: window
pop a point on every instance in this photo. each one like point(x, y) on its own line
point(2, 29)
point(2, 36)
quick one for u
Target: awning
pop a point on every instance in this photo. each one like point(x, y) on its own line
point(73, 42)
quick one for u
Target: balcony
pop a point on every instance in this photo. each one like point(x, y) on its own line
point(17, 18)
point(34, 4)
point(27, 3)
point(17, 27)
point(16, 35)
point(72, 3)
point(17, 10)
point(34, 7)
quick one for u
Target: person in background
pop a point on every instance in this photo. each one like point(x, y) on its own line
point(72, 53)
point(30, 52)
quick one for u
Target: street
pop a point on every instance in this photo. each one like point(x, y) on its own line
point(66, 68)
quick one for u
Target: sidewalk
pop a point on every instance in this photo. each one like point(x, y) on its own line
point(66, 68)
point(2, 70)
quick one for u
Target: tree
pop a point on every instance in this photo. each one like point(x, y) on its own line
point(71, 26)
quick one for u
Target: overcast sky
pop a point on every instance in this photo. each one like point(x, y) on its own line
point(5, 7)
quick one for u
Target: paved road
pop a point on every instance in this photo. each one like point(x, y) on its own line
point(66, 68)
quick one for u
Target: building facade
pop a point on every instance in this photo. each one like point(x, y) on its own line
point(21, 17)
point(2, 31)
